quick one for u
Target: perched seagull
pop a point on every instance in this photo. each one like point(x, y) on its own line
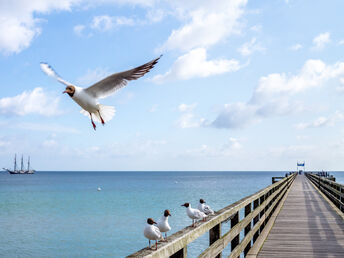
point(152, 232)
point(194, 214)
point(87, 98)
point(163, 223)
point(205, 208)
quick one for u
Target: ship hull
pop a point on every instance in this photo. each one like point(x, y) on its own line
point(20, 172)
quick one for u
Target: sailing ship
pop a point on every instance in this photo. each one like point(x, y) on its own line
point(22, 170)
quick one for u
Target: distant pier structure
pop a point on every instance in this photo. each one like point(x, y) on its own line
point(301, 215)
point(300, 167)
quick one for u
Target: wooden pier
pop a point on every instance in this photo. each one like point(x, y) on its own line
point(307, 226)
point(297, 216)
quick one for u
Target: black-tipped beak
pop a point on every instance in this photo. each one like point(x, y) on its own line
point(154, 222)
point(169, 215)
point(64, 92)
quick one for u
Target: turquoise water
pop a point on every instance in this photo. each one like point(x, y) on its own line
point(61, 214)
point(339, 177)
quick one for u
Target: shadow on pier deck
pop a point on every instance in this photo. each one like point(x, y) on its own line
point(307, 226)
point(290, 218)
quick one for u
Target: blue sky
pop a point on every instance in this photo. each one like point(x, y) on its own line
point(242, 85)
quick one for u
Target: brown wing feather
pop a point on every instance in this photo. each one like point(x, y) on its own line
point(116, 81)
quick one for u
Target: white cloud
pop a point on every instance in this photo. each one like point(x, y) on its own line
point(340, 88)
point(291, 151)
point(229, 148)
point(236, 115)
point(44, 127)
point(250, 47)
point(78, 29)
point(19, 24)
point(195, 64)
point(274, 93)
point(341, 42)
point(139, 147)
point(321, 40)
point(30, 102)
point(208, 22)
point(155, 15)
point(296, 47)
point(322, 121)
point(4, 143)
point(93, 76)
point(106, 23)
point(188, 119)
point(186, 108)
point(144, 3)
point(256, 28)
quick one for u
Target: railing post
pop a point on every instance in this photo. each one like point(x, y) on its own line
point(255, 219)
point(215, 234)
point(342, 199)
point(234, 221)
point(319, 183)
point(182, 253)
point(261, 214)
point(248, 227)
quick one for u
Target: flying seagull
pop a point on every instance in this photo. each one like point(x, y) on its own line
point(87, 98)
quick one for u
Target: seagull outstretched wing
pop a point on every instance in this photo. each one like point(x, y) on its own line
point(47, 69)
point(116, 81)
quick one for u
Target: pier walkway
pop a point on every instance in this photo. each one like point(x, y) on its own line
point(297, 216)
point(306, 226)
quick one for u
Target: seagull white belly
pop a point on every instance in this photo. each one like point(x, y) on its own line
point(87, 103)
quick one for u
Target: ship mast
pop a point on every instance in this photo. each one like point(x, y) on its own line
point(28, 164)
point(15, 162)
point(22, 164)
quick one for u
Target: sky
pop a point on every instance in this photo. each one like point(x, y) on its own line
point(241, 85)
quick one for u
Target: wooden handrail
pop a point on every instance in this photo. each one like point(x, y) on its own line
point(334, 191)
point(258, 209)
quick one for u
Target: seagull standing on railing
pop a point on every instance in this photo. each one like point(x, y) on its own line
point(87, 98)
point(205, 208)
point(152, 233)
point(194, 214)
point(163, 224)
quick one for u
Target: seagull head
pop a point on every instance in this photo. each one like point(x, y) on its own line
point(186, 204)
point(201, 201)
point(70, 90)
point(150, 221)
point(167, 213)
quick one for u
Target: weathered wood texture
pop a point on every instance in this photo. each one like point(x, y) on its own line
point(275, 179)
point(264, 203)
point(333, 190)
point(307, 226)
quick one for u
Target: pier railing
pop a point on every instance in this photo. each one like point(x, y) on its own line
point(257, 208)
point(333, 190)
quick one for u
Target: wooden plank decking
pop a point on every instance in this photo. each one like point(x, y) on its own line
point(307, 226)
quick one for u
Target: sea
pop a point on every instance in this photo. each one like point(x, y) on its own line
point(62, 214)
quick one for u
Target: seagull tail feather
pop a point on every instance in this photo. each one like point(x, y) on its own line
point(107, 113)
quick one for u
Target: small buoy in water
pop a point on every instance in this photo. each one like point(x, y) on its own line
point(99, 189)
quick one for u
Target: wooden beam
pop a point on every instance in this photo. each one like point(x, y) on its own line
point(214, 235)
